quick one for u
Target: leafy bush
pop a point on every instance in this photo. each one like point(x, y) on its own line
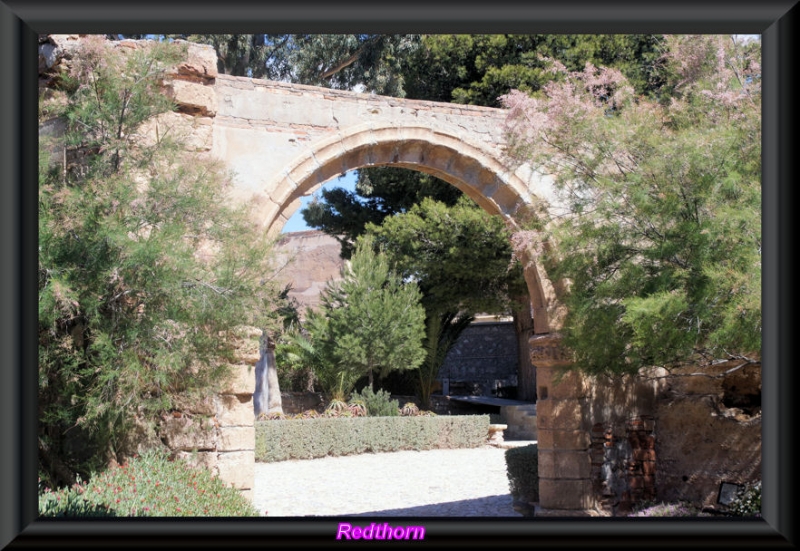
point(150, 485)
point(747, 502)
point(70, 502)
point(378, 403)
point(522, 467)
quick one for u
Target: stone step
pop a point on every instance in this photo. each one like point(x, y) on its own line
point(521, 421)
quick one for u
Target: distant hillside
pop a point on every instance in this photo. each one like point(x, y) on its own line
point(312, 259)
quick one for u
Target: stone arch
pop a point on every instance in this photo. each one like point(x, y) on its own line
point(470, 167)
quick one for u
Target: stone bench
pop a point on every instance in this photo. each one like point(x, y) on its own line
point(496, 433)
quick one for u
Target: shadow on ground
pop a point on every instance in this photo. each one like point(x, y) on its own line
point(489, 506)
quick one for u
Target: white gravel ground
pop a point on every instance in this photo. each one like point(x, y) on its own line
point(431, 483)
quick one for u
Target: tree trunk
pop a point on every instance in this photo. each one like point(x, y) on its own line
point(526, 371)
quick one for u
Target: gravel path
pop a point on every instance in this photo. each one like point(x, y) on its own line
point(430, 483)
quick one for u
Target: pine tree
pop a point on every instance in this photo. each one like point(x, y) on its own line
point(370, 321)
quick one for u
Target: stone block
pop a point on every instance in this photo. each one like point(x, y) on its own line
point(236, 438)
point(361, 157)
point(241, 381)
point(385, 152)
point(564, 464)
point(565, 494)
point(200, 63)
point(235, 410)
point(237, 469)
point(562, 385)
point(563, 439)
point(248, 353)
point(357, 141)
point(187, 433)
point(205, 406)
point(547, 353)
point(560, 415)
point(193, 97)
point(206, 460)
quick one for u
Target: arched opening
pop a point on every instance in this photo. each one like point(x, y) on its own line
point(474, 169)
point(471, 168)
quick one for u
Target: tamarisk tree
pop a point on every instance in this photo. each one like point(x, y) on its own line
point(144, 273)
point(659, 232)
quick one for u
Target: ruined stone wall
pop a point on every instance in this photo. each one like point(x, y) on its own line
point(608, 444)
point(708, 430)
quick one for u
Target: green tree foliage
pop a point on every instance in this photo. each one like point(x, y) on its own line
point(144, 273)
point(461, 256)
point(380, 192)
point(462, 259)
point(370, 321)
point(660, 235)
point(366, 62)
point(245, 55)
point(478, 68)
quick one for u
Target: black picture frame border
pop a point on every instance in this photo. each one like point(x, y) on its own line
point(22, 20)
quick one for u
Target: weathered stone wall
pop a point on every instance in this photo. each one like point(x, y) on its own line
point(218, 432)
point(708, 430)
point(607, 444)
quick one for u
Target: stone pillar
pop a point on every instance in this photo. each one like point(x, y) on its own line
point(236, 442)
point(218, 432)
point(565, 486)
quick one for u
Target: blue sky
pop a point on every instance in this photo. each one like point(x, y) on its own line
point(296, 222)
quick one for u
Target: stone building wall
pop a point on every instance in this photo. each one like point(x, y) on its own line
point(708, 431)
point(484, 358)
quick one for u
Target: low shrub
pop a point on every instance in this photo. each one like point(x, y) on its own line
point(522, 467)
point(150, 485)
point(281, 440)
point(747, 502)
point(70, 502)
point(378, 404)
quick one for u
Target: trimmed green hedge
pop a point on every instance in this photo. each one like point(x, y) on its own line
point(522, 466)
point(279, 440)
